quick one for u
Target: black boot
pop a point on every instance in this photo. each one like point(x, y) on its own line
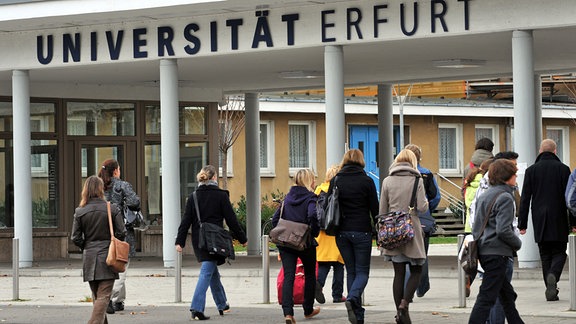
point(199, 316)
point(110, 308)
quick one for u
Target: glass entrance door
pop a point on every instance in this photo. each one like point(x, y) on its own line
point(92, 156)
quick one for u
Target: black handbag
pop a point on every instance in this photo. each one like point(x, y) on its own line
point(290, 234)
point(213, 238)
point(330, 222)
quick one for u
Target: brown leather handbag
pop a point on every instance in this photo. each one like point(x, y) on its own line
point(118, 251)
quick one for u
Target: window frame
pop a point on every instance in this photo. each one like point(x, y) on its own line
point(495, 134)
point(456, 172)
point(269, 171)
point(565, 141)
point(311, 145)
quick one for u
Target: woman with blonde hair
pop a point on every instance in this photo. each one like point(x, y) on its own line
point(299, 205)
point(358, 203)
point(91, 233)
point(396, 194)
point(327, 253)
point(214, 207)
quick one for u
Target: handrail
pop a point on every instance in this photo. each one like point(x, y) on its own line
point(451, 199)
point(447, 180)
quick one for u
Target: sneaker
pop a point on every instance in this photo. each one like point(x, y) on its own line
point(315, 312)
point(119, 306)
point(318, 294)
point(110, 308)
point(551, 288)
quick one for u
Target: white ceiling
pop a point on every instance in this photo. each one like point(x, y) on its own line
point(406, 60)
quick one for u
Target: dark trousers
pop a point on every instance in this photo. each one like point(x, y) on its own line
point(553, 257)
point(289, 258)
point(497, 315)
point(337, 278)
point(494, 284)
point(101, 291)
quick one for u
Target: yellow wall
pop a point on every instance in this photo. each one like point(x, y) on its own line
point(423, 131)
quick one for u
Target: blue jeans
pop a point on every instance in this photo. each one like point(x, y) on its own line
point(494, 285)
point(497, 315)
point(208, 277)
point(356, 248)
point(337, 278)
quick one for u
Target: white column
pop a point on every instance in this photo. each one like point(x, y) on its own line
point(252, 143)
point(22, 166)
point(335, 115)
point(385, 129)
point(525, 119)
point(170, 152)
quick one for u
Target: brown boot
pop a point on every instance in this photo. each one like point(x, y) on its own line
point(403, 315)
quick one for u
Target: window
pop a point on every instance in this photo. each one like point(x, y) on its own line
point(100, 118)
point(301, 145)
point(267, 148)
point(560, 135)
point(450, 149)
point(491, 132)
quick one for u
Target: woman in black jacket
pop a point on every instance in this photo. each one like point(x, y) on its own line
point(215, 207)
point(358, 202)
point(91, 233)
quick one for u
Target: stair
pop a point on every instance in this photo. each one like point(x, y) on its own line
point(447, 224)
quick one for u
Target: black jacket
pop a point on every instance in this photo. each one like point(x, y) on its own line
point(544, 185)
point(357, 198)
point(215, 207)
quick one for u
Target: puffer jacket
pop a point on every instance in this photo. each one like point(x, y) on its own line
point(395, 195)
point(91, 233)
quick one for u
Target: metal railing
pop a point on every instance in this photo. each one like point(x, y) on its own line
point(455, 204)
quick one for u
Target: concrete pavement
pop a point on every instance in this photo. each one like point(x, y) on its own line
point(53, 292)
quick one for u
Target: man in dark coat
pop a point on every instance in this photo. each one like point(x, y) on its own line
point(544, 185)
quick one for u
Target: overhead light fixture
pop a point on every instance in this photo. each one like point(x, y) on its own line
point(301, 74)
point(458, 63)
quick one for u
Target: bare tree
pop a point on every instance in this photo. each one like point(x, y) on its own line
point(231, 121)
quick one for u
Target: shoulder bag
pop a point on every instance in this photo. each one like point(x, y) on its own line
point(469, 257)
point(395, 229)
point(118, 250)
point(213, 238)
point(330, 220)
point(290, 234)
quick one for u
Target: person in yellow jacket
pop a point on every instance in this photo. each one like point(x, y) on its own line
point(328, 254)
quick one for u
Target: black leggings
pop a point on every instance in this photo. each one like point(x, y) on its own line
point(398, 290)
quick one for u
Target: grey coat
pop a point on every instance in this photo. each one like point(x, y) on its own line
point(395, 195)
point(91, 233)
point(122, 194)
point(498, 237)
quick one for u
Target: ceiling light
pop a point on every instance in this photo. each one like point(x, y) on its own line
point(458, 63)
point(301, 74)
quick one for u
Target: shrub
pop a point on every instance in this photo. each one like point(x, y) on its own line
point(268, 206)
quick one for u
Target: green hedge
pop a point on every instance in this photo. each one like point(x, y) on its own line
point(269, 204)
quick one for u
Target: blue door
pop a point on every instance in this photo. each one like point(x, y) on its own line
point(365, 138)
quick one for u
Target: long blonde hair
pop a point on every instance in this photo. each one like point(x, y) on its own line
point(305, 178)
point(93, 188)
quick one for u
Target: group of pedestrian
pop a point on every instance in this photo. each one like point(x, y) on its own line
point(496, 215)
point(91, 233)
